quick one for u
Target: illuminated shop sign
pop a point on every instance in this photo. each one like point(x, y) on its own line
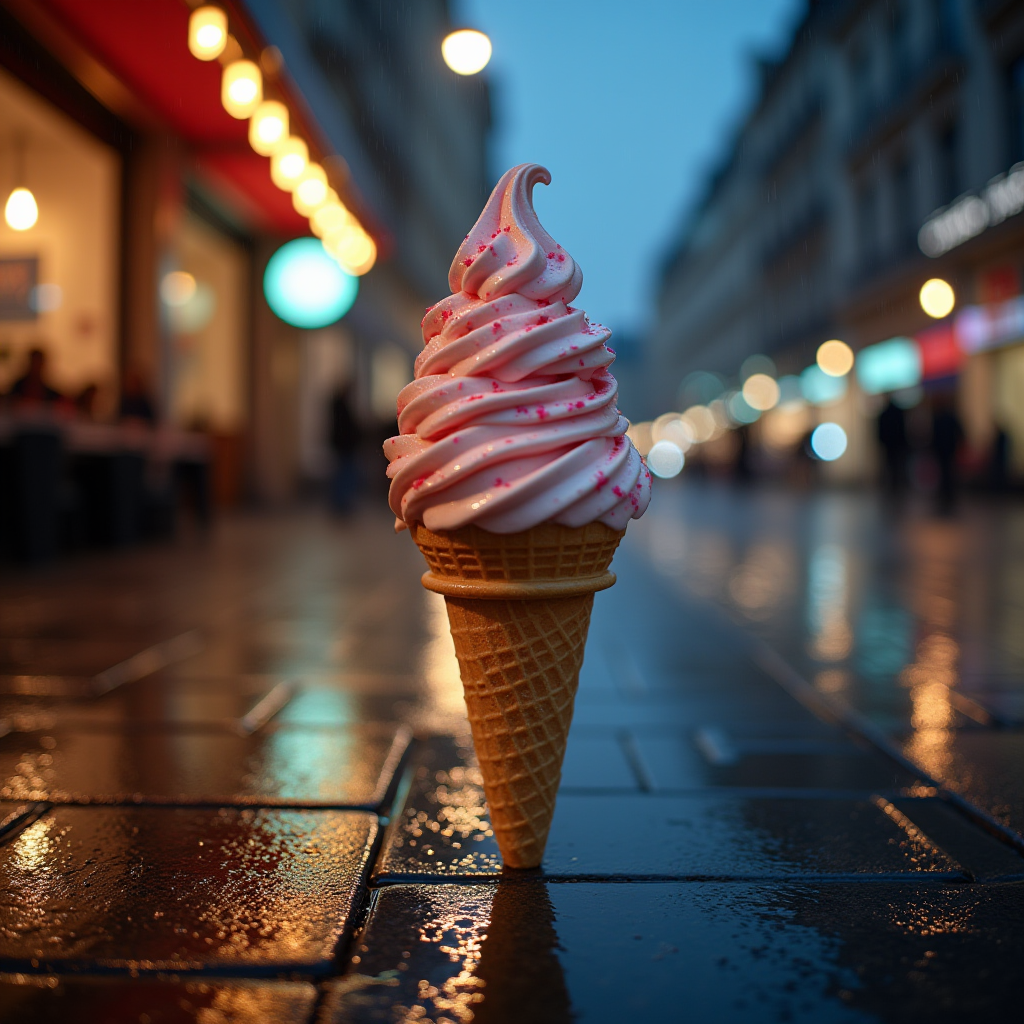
point(1003, 197)
point(983, 327)
point(940, 350)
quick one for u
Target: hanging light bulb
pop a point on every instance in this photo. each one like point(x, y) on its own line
point(241, 89)
point(21, 211)
point(330, 216)
point(355, 250)
point(268, 127)
point(311, 190)
point(288, 163)
point(207, 32)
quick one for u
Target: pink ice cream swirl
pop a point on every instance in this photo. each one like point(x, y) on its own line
point(512, 419)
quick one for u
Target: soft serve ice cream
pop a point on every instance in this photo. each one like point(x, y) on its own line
point(512, 420)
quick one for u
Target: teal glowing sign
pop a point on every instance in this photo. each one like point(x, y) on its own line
point(305, 287)
point(889, 366)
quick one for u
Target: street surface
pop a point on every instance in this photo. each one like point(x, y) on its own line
point(236, 782)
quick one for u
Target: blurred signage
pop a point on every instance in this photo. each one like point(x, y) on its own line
point(1003, 197)
point(18, 278)
point(983, 327)
point(941, 356)
point(889, 366)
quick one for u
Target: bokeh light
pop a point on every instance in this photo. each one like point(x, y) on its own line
point(672, 427)
point(268, 127)
point(937, 298)
point(740, 410)
point(835, 358)
point(241, 89)
point(757, 364)
point(305, 287)
point(177, 288)
point(665, 459)
point(819, 388)
point(640, 435)
point(466, 51)
point(828, 441)
point(889, 366)
point(21, 211)
point(761, 392)
point(207, 32)
point(702, 422)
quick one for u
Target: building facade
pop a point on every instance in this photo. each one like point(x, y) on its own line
point(141, 175)
point(879, 117)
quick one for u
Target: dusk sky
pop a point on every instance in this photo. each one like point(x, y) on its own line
point(628, 105)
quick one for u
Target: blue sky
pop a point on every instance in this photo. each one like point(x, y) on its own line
point(628, 104)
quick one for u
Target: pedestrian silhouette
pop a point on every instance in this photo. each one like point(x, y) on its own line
point(947, 436)
point(892, 436)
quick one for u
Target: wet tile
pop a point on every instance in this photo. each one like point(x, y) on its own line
point(207, 703)
point(53, 999)
point(13, 814)
point(596, 762)
point(181, 888)
point(984, 765)
point(443, 832)
point(720, 756)
point(984, 856)
point(551, 952)
point(689, 712)
point(279, 765)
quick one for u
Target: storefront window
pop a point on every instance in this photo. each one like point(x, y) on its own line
point(58, 278)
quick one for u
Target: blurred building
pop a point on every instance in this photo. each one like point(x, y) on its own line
point(140, 174)
point(858, 174)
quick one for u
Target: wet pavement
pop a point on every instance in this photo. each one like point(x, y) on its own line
point(236, 782)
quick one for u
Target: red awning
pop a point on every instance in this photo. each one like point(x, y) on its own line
point(144, 46)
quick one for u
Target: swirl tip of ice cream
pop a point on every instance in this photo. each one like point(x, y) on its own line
point(509, 251)
point(512, 420)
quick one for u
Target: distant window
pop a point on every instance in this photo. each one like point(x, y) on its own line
point(1017, 110)
point(949, 164)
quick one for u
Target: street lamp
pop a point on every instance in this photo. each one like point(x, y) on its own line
point(937, 298)
point(466, 51)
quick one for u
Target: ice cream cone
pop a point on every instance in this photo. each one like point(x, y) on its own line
point(519, 607)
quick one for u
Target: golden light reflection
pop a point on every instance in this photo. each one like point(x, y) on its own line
point(930, 679)
point(459, 931)
point(33, 849)
point(439, 666)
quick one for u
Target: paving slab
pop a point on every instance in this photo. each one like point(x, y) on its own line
point(717, 755)
point(55, 999)
point(443, 832)
point(181, 889)
point(352, 767)
point(984, 765)
point(723, 952)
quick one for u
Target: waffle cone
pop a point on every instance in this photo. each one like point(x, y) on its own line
point(519, 608)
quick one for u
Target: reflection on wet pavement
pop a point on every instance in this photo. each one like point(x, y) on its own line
point(49, 999)
point(178, 889)
point(296, 804)
point(709, 951)
point(914, 622)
